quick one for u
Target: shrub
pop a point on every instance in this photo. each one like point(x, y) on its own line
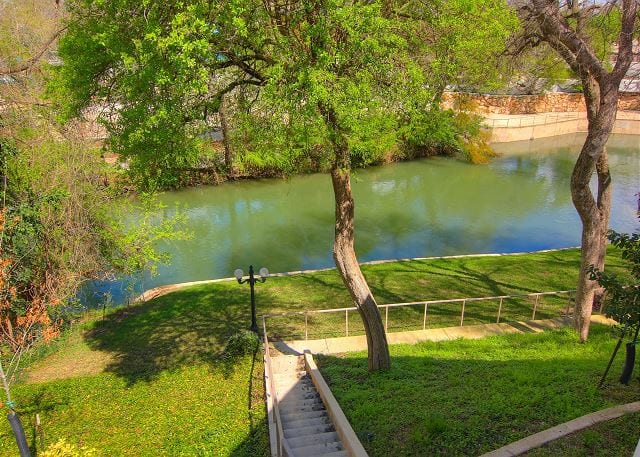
point(242, 343)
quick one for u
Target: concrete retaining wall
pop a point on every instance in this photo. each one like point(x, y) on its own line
point(507, 128)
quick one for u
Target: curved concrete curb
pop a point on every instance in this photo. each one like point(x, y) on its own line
point(526, 444)
point(168, 288)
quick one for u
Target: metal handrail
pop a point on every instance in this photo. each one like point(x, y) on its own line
point(426, 304)
point(281, 446)
point(529, 120)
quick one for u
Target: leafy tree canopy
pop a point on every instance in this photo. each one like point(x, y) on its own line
point(160, 71)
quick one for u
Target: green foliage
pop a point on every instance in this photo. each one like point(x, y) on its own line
point(622, 294)
point(244, 342)
point(461, 41)
point(160, 74)
point(135, 244)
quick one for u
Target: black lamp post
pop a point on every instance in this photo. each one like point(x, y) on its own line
point(264, 274)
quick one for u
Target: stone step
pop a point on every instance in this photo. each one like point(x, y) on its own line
point(294, 391)
point(318, 449)
point(301, 415)
point(306, 399)
point(290, 377)
point(336, 454)
point(306, 422)
point(311, 440)
point(303, 431)
point(286, 364)
point(302, 409)
point(302, 397)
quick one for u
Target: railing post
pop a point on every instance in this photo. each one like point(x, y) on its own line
point(306, 325)
point(499, 311)
point(386, 317)
point(535, 306)
point(424, 320)
point(464, 302)
point(568, 304)
point(346, 322)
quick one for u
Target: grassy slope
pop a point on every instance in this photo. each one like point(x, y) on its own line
point(467, 397)
point(150, 377)
point(149, 381)
point(618, 437)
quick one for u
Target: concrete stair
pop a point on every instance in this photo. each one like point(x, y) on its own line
point(306, 425)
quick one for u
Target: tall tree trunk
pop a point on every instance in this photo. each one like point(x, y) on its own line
point(347, 263)
point(344, 253)
point(595, 211)
point(223, 112)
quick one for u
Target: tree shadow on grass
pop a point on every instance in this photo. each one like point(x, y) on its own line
point(465, 401)
point(183, 328)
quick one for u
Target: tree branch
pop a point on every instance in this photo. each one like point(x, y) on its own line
point(33, 60)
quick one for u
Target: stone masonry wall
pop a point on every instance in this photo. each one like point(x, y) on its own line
point(551, 102)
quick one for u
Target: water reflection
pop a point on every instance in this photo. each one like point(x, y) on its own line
point(439, 206)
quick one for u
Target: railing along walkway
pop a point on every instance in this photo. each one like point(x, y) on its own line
point(427, 304)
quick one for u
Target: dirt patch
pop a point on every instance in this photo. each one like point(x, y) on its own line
point(75, 362)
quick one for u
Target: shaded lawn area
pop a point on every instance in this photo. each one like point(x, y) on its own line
point(150, 377)
point(398, 282)
point(618, 437)
point(149, 380)
point(467, 397)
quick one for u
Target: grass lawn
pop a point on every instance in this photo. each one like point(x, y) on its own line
point(618, 437)
point(467, 397)
point(149, 379)
point(399, 282)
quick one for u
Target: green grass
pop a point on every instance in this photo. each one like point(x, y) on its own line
point(467, 397)
point(399, 282)
point(151, 378)
point(618, 437)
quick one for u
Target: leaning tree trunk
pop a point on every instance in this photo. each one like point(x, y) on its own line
point(347, 263)
point(594, 212)
point(344, 253)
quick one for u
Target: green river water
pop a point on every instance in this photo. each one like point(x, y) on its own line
point(431, 207)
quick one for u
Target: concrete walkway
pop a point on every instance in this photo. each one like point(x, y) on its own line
point(359, 343)
point(539, 439)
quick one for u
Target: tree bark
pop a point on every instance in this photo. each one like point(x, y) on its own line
point(345, 257)
point(561, 28)
point(594, 211)
point(228, 151)
point(344, 253)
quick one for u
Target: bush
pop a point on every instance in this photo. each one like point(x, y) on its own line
point(244, 342)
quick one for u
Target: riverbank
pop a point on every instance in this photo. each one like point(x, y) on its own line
point(109, 380)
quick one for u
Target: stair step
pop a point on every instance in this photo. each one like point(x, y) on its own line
point(303, 431)
point(336, 454)
point(293, 391)
point(289, 381)
point(304, 396)
point(310, 422)
point(311, 440)
point(302, 415)
point(302, 409)
point(318, 449)
point(299, 402)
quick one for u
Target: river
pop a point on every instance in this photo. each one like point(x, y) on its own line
point(432, 207)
